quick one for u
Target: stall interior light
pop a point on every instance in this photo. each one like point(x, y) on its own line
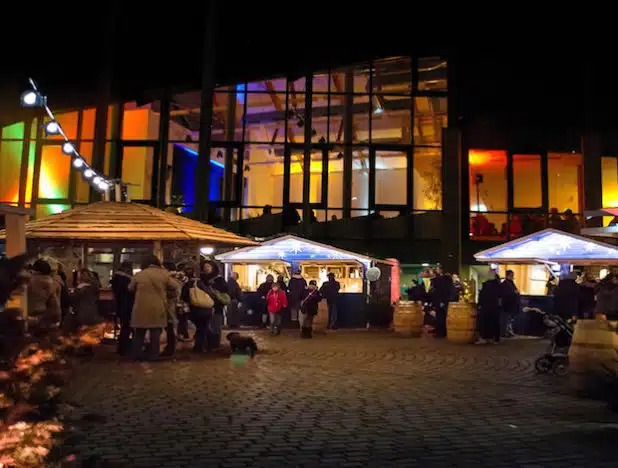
point(207, 250)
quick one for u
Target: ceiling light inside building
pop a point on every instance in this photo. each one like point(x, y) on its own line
point(377, 105)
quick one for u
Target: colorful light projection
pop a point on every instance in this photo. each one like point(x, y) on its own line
point(10, 162)
point(550, 246)
point(291, 249)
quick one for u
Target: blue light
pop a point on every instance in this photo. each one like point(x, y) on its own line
point(195, 153)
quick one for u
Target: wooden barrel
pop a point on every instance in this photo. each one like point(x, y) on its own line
point(461, 322)
point(320, 321)
point(593, 356)
point(408, 318)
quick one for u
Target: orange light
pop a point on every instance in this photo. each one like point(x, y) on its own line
point(483, 157)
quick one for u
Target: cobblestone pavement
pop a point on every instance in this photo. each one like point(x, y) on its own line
point(344, 399)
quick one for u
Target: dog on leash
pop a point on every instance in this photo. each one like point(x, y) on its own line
point(242, 344)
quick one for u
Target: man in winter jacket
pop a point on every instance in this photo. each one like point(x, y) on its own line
point(330, 292)
point(442, 292)
point(276, 301)
point(309, 308)
point(490, 306)
point(296, 290)
point(231, 311)
point(124, 304)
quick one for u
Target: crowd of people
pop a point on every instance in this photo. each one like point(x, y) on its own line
point(577, 295)
point(498, 304)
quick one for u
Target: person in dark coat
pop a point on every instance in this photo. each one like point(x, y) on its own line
point(510, 304)
point(567, 296)
point(235, 293)
point(605, 296)
point(200, 316)
point(124, 304)
point(85, 298)
point(442, 292)
point(330, 292)
point(215, 283)
point(262, 291)
point(311, 297)
point(296, 290)
point(490, 304)
point(586, 300)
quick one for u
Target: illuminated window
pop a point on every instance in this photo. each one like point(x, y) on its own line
point(609, 168)
point(430, 117)
point(565, 174)
point(427, 179)
point(10, 164)
point(391, 178)
point(54, 176)
point(527, 188)
point(360, 182)
point(488, 185)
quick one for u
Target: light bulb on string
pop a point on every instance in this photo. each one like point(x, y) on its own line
point(30, 99)
point(103, 185)
point(52, 128)
point(78, 163)
point(68, 148)
point(97, 180)
point(88, 173)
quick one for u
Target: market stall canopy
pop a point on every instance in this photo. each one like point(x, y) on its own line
point(607, 231)
point(293, 249)
point(551, 246)
point(105, 221)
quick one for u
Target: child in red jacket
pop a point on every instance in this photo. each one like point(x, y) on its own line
point(276, 301)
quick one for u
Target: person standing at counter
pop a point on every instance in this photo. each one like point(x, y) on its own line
point(296, 290)
point(442, 292)
point(124, 304)
point(309, 308)
point(490, 300)
point(330, 292)
point(510, 304)
point(262, 291)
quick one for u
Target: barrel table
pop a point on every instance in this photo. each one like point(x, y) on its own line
point(461, 322)
point(320, 321)
point(593, 357)
point(408, 318)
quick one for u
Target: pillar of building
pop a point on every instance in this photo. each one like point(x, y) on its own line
point(593, 191)
point(307, 211)
point(16, 245)
point(164, 130)
point(202, 173)
point(452, 222)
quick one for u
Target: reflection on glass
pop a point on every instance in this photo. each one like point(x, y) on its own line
point(392, 76)
point(527, 190)
point(391, 178)
point(360, 179)
point(488, 187)
point(427, 179)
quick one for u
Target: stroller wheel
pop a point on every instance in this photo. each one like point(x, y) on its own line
point(543, 365)
point(560, 367)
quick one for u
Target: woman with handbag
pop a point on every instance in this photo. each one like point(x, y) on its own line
point(218, 291)
point(309, 309)
point(194, 293)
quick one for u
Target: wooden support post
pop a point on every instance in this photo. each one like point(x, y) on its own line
point(16, 245)
point(157, 250)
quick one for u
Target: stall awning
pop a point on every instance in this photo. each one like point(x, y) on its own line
point(607, 231)
point(292, 249)
point(551, 246)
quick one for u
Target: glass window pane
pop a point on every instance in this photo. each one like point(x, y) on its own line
point(391, 178)
point(427, 179)
point(565, 174)
point(82, 188)
point(222, 186)
point(609, 170)
point(359, 75)
point(10, 165)
point(296, 117)
point(140, 123)
point(263, 176)
point(13, 132)
point(296, 175)
point(360, 179)
point(335, 181)
point(319, 116)
point(488, 188)
point(361, 115)
point(430, 116)
point(527, 191)
point(265, 121)
point(137, 171)
point(88, 119)
point(46, 210)
point(393, 123)
point(227, 121)
point(185, 117)
point(184, 167)
point(432, 74)
point(392, 76)
point(54, 175)
point(298, 85)
point(320, 82)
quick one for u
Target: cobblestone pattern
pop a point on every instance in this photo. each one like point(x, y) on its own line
point(345, 399)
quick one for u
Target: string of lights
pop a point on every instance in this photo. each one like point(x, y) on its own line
point(101, 183)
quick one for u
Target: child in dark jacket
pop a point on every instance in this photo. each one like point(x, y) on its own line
point(309, 308)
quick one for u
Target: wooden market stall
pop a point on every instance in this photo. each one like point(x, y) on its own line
point(102, 235)
point(594, 349)
point(282, 255)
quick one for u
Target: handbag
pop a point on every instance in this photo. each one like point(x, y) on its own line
point(220, 297)
point(200, 298)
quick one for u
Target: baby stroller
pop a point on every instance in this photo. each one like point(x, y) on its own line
point(560, 332)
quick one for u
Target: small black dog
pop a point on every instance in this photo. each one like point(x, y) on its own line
point(242, 344)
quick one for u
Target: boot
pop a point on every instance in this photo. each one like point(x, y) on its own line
point(309, 332)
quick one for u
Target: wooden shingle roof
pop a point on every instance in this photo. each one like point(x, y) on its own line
point(109, 221)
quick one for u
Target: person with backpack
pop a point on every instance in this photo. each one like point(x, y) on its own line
point(276, 301)
point(309, 308)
